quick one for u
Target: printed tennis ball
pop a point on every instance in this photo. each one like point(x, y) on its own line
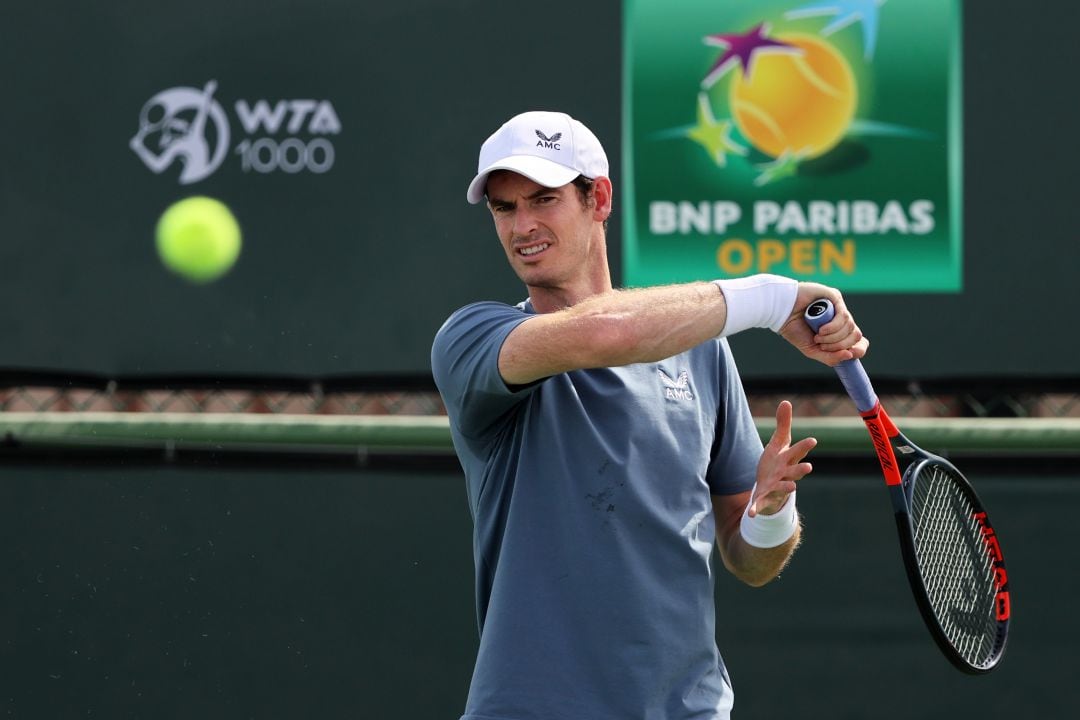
point(802, 103)
point(198, 238)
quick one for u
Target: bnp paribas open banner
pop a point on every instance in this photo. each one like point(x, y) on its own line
point(819, 140)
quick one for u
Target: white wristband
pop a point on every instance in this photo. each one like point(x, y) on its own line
point(768, 531)
point(764, 301)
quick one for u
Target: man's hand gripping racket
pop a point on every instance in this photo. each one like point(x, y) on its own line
point(951, 552)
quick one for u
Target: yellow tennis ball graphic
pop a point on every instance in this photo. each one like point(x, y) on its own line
point(798, 102)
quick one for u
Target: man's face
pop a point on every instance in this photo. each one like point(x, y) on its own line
point(546, 232)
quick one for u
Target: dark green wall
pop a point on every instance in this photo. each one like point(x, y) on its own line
point(143, 591)
point(346, 272)
point(350, 272)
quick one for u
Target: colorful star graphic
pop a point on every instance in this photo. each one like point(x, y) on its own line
point(846, 12)
point(712, 135)
point(741, 49)
point(786, 165)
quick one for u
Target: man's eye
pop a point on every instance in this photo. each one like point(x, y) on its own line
point(546, 199)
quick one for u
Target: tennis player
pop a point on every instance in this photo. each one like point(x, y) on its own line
point(607, 446)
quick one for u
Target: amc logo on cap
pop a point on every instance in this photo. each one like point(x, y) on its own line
point(551, 143)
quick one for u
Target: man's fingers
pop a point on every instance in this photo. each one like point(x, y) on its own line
point(841, 333)
point(796, 472)
point(799, 450)
point(844, 340)
point(834, 358)
point(839, 329)
point(782, 434)
point(781, 465)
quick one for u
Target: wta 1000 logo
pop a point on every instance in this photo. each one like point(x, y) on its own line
point(190, 126)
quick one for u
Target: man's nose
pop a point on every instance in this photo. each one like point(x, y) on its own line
point(524, 221)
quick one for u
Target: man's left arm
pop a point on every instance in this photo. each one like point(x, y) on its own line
point(758, 530)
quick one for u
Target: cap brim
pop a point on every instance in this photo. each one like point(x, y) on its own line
point(540, 170)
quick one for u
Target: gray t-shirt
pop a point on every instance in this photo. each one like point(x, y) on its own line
point(593, 525)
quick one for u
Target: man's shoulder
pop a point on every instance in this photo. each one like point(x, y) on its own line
point(477, 314)
point(481, 308)
point(487, 307)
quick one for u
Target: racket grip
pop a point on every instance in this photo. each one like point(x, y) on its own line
point(851, 372)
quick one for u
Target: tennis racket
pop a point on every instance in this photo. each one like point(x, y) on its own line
point(951, 553)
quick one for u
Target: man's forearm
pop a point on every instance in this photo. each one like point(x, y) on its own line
point(757, 566)
point(619, 327)
point(654, 323)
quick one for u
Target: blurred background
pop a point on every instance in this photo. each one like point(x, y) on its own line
point(238, 498)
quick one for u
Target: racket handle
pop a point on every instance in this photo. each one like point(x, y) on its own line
point(851, 372)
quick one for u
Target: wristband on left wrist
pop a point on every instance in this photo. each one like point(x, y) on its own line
point(769, 531)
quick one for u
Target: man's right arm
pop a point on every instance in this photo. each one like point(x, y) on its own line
point(622, 327)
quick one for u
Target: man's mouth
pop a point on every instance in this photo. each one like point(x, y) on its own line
point(533, 249)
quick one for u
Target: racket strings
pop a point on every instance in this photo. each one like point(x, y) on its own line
point(956, 566)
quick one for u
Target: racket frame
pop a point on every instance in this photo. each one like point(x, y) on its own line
point(901, 485)
point(890, 445)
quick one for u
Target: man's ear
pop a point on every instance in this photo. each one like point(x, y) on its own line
point(602, 193)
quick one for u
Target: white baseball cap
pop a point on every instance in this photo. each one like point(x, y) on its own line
point(549, 148)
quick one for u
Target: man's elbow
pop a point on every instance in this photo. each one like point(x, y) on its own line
point(756, 568)
point(754, 576)
point(757, 580)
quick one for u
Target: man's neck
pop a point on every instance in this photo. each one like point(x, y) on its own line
point(551, 299)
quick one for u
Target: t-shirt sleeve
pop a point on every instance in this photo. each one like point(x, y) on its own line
point(738, 447)
point(465, 365)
